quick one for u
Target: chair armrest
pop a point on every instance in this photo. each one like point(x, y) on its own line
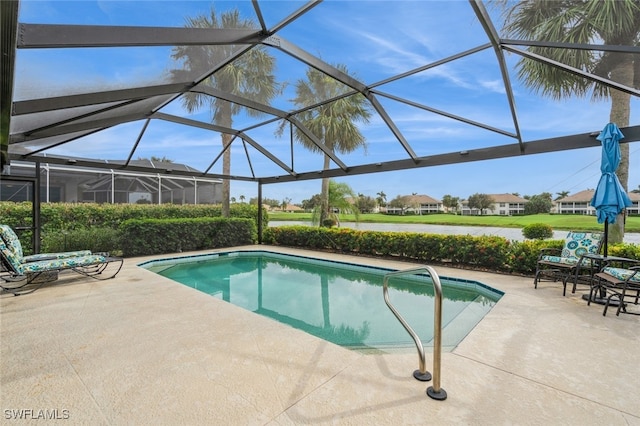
point(549, 251)
point(624, 263)
point(636, 272)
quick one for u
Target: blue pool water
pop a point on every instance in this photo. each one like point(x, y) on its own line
point(339, 302)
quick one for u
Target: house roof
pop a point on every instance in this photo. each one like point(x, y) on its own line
point(507, 198)
point(422, 199)
point(38, 120)
point(578, 197)
point(293, 207)
point(587, 194)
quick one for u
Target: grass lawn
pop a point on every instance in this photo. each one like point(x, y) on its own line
point(556, 221)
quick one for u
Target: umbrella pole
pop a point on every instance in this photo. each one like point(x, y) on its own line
point(606, 237)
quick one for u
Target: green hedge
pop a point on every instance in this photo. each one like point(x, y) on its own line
point(60, 222)
point(66, 216)
point(155, 236)
point(94, 239)
point(484, 252)
point(142, 229)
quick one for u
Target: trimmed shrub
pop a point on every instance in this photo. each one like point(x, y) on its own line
point(484, 252)
point(157, 236)
point(630, 251)
point(62, 220)
point(65, 216)
point(329, 223)
point(94, 239)
point(524, 254)
point(537, 231)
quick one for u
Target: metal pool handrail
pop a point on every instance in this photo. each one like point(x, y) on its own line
point(435, 391)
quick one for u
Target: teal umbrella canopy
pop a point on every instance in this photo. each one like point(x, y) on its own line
point(610, 197)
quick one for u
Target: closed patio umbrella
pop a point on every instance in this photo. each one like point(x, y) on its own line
point(610, 197)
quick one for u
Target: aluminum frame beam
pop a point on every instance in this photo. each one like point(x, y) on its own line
point(47, 36)
point(579, 141)
point(494, 38)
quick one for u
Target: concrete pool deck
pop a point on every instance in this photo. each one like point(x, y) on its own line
point(141, 349)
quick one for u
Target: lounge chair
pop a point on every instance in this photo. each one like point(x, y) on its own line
point(562, 264)
point(42, 268)
point(12, 242)
point(622, 284)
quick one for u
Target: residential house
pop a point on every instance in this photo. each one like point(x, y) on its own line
point(635, 206)
point(503, 205)
point(580, 203)
point(292, 208)
point(417, 204)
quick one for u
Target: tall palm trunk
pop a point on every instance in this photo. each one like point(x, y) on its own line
point(224, 119)
point(226, 170)
point(620, 112)
point(324, 195)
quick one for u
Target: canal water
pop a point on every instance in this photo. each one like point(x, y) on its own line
point(514, 234)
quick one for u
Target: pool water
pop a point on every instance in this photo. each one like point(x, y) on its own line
point(340, 302)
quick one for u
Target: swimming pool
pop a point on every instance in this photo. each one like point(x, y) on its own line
point(336, 301)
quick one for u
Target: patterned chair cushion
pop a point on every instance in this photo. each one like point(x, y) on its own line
point(11, 240)
point(10, 257)
point(623, 274)
point(65, 263)
point(580, 243)
point(562, 260)
point(48, 256)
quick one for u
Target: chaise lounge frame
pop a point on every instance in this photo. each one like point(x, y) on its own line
point(20, 271)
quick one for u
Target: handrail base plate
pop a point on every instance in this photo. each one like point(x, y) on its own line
point(423, 377)
point(440, 396)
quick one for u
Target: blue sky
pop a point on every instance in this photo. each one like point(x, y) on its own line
point(376, 39)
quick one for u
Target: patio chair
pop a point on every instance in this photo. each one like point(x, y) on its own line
point(12, 242)
point(618, 283)
point(562, 264)
point(22, 273)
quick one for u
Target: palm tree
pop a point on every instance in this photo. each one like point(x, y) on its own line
point(249, 76)
point(341, 198)
point(610, 22)
point(332, 123)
